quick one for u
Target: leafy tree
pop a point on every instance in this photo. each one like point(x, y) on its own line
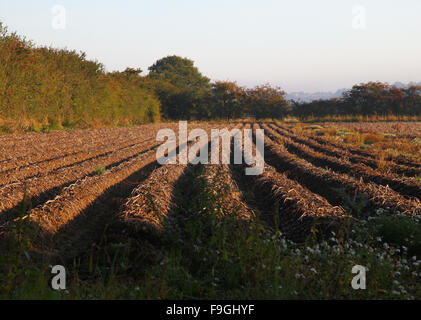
point(180, 86)
point(43, 87)
point(372, 98)
point(267, 102)
point(334, 106)
point(227, 100)
point(412, 100)
point(368, 98)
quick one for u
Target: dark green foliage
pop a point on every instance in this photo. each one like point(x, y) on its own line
point(227, 100)
point(267, 102)
point(44, 88)
point(181, 87)
point(180, 72)
point(402, 232)
point(186, 94)
point(372, 98)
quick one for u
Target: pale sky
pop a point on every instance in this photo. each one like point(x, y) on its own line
point(299, 45)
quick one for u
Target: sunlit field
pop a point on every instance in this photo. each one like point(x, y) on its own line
point(210, 152)
point(125, 226)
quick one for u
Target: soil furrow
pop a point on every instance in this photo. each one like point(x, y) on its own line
point(56, 150)
point(77, 216)
point(345, 154)
point(405, 186)
point(147, 211)
point(42, 188)
point(285, 204)
point(357, 151)
point(338, 189)
point(46, 166)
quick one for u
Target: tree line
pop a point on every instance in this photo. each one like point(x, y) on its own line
point(367, 99)
point(44, 87)
point(186, 94)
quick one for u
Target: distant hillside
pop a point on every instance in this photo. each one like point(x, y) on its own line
point(401, 85)
point(302, 96)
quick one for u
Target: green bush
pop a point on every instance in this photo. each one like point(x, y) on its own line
point(402, 231)
point(46, 89)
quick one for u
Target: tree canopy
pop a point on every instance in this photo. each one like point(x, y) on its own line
point(372, 98)
point(180, 86)
point(186, 94)
point(42, 86)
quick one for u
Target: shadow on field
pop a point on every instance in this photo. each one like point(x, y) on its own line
point(32, 202)
point(88, 227)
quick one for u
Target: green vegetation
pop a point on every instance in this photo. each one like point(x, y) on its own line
point(180, 87)
point(47, 89)
point(100, 170)
point(187, 94)
point(215, 256)
point(362, 101)
point(401, 231)
point(43, 89)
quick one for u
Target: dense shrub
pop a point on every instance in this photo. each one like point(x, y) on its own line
point(44, 87)
point(366, 99)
